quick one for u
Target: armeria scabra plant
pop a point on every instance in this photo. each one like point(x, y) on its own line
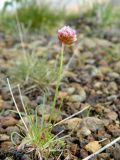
point(38, 136)
point(67, 36)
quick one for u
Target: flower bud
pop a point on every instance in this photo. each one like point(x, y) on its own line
point(67, 35)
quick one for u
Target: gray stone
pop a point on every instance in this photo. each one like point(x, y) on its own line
point(92, 123)
point(4, 137)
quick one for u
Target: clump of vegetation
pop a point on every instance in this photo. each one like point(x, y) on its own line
point(105, 14)
point(99, 17)
point(31, 68)
point(7, 23)
point(38, 137)
point(32, 16)
point(109, 15)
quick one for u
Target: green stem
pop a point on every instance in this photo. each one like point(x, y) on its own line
point(58, 81)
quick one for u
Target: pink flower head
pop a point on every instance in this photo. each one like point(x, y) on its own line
point(67, 35)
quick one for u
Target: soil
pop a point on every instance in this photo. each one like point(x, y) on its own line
point(93, 79)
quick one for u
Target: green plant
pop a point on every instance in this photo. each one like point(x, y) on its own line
point(102, 15)
point(32, 16)
point(33, 69)
point(38, 137)
point(109, 15)
point(7, 23)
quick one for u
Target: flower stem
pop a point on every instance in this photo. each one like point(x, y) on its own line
point(58, 81)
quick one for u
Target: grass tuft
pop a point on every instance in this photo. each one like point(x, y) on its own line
point(32, 69)
point(32, 16)
point(105, 15)
point(38, 137)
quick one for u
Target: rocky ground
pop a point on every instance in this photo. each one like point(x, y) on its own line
point(93, 80)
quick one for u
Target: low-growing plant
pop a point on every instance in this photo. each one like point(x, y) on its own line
point(39, 137)
point(102, 15)
point(7, 23)
point(109, 15)
point(32, 16)
point(99, 19)
point(33, 69)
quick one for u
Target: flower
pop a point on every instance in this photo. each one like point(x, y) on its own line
point(67, 35)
